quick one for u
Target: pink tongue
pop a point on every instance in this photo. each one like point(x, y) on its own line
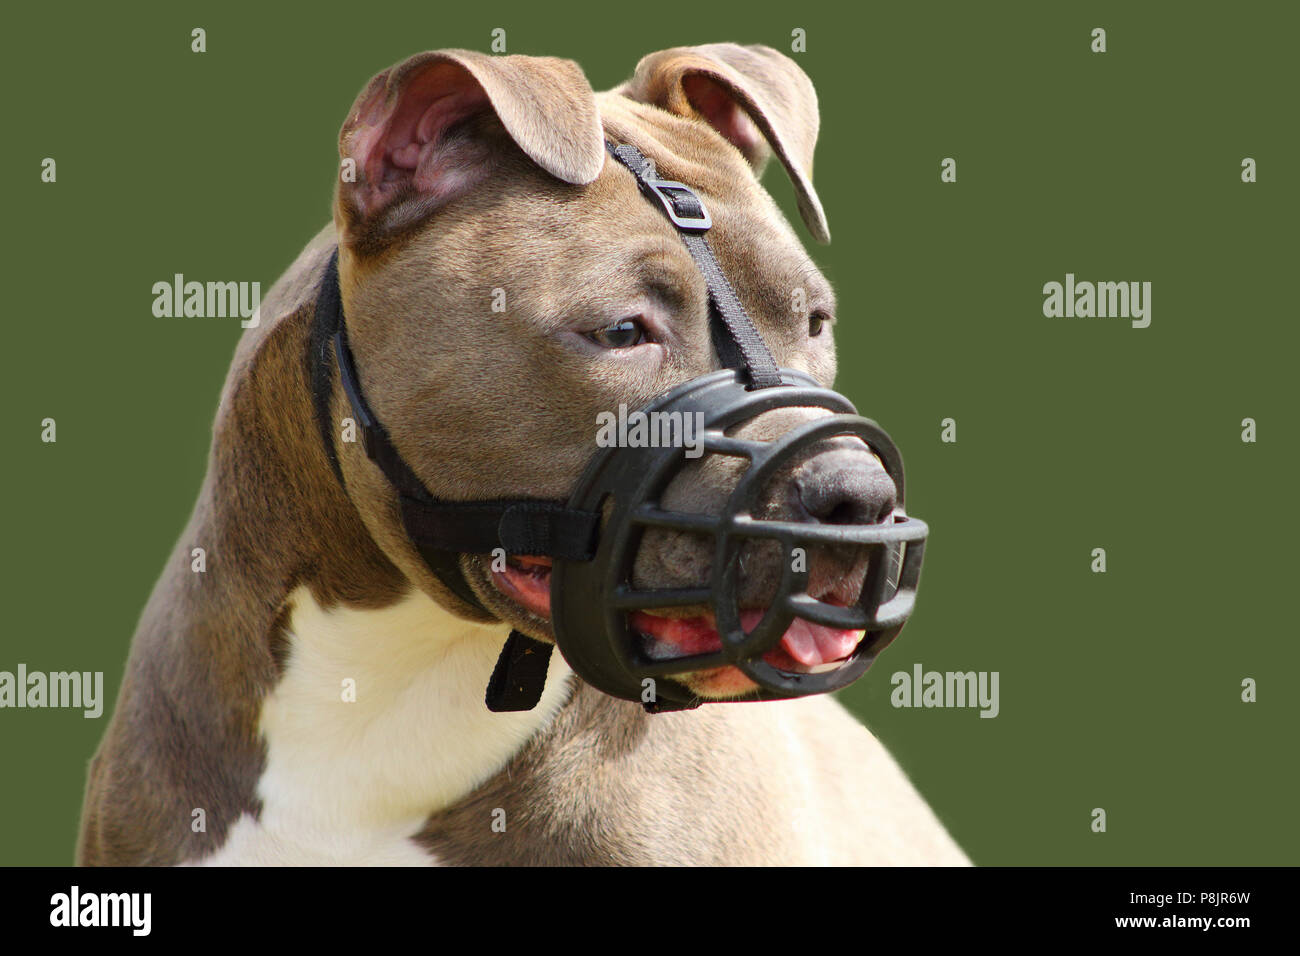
point(808, 643)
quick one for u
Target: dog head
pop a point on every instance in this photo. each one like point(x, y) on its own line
point(505, 284)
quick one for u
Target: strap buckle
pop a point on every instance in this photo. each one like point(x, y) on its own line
point(686, 210)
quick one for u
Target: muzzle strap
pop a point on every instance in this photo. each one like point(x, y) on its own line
point(440, 530)
point(519, 677)
point(686, 211)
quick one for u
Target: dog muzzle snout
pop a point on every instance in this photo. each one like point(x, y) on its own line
point(610, 630)
point(594, 603)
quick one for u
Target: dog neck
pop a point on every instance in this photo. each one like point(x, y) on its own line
point(372, 708)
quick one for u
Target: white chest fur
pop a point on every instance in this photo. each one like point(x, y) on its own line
point(377, 722)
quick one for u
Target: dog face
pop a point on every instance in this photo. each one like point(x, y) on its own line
point(505, 285)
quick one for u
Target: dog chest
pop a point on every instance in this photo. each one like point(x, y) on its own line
point(378, 722)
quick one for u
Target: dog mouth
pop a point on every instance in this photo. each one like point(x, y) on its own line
point(804, 648)
point(526, 581)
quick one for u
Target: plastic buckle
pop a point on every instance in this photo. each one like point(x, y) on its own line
point(660, 189)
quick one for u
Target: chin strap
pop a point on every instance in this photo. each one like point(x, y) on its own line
point(440, 530)
point(444, 530)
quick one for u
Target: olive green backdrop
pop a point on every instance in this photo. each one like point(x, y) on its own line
point(1119, 690)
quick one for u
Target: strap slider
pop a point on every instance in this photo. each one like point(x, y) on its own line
point(684, 207)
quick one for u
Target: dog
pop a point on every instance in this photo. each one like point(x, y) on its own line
point(315, 694)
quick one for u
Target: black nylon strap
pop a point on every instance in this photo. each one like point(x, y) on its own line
point(519, 677)
point(374, 438)
point(328, 341)
point(762, 368)
point(328, 330)
point(320, 358)
point(691, 221)
point(518, 526)
point(440, 530)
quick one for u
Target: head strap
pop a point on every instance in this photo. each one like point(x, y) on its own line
point(734, 336)
point(440, 530)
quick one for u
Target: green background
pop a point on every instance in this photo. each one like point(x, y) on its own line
point(1118, 690)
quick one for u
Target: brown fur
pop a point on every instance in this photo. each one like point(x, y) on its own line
point(606, 785)
point(184, 734)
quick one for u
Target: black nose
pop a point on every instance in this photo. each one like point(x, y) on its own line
point(844, 487)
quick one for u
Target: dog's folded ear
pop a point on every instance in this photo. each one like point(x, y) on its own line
point(756, 97)
point(409, 143)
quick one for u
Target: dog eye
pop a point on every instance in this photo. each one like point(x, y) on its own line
point(626, 334)
point(817, 321)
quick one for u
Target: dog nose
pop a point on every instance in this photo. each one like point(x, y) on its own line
point(844, 486)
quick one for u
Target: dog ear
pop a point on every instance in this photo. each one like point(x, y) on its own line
point(754, 96)
point(407, 146)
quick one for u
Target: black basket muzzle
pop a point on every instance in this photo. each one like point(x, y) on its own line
point(591, 600)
